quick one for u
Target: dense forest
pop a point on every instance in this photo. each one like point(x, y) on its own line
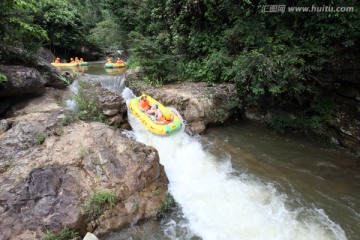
point(285, 60)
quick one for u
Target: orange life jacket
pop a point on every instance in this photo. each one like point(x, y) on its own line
point(145, 105)
point(162, 120)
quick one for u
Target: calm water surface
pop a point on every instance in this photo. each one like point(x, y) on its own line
point(95, 68)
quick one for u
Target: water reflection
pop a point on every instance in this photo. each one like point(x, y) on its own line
point(115, 70)
point(94, 68)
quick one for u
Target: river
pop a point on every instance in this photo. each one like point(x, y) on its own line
point(242, 181)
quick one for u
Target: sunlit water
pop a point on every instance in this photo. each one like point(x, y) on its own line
point(240, 181)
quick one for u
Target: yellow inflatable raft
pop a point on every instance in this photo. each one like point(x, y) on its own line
point(159, 129)
point(65, 64)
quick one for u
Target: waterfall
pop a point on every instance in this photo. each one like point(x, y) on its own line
point(219, 205)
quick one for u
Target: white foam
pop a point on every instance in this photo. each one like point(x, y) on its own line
point(220, 206)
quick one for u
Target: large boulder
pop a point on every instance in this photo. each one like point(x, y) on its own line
point(12, 55)
point(21, 81)
point(199, 104)
point(47, 55)
point(49, 170)
point(45, 187)
point(53, 77)
point(111, 105)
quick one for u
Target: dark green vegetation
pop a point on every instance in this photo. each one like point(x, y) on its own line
point(285, 61)
point(63, 26)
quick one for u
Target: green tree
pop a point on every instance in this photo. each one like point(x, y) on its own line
point(106, 33)
point(63, 23)
point(17, 27)
point(276, 56)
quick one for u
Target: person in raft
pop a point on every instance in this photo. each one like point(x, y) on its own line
point(119, 61)
point(154, 113)
point(72, 60)
point(77, 59)
point(109, 60)
point(165, 119)
point(81, 60)
point(144, 104)
point(57, 60)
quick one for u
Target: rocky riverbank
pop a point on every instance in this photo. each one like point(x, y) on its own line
point(51, 167)
point(53, 162)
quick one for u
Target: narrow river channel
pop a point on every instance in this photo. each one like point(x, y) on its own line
point(242, 181)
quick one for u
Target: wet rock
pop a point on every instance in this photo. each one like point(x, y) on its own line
point(126, 126)
point(197, 127)
point(21, 81)
point(110, 112)
point(115, 121)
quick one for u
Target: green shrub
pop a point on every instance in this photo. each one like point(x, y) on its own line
point(65, 234)
point(314, 120)
point(67, 120)
point(3, 78)
point(40, 138)
point(64, 79)
point(96, 204)
point(284, 122)
point(168, 203)
point(87, 105)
